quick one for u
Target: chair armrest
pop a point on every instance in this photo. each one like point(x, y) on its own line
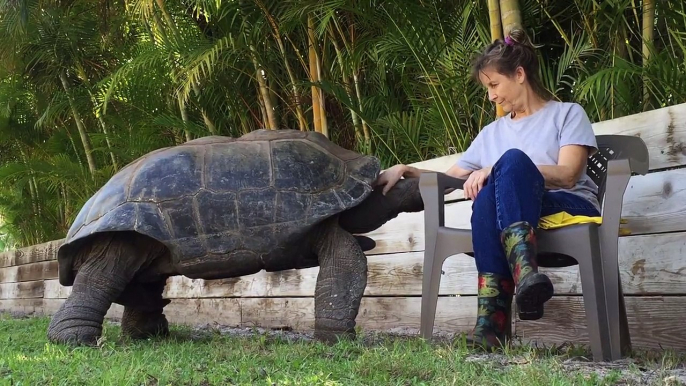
point(433, 186)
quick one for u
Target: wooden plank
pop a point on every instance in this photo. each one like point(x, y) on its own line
point(35, 253)
point(649, 264)
point(47, 307)
point(29, 272)
point(654, 203)
point(405, 233)
point(376, 313)
point(454, 313)
point(663, 130)
point(653, 322)
point(25, 290)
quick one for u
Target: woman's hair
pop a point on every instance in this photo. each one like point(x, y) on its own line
point(505, 55)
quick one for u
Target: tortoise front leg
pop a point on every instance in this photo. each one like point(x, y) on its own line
point(340, 284)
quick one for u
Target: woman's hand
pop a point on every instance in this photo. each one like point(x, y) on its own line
point(390, 177)
point(475, 182)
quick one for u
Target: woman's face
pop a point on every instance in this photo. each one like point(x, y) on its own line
point(502, 89)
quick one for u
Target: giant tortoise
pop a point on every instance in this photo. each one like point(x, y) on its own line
point(219, 207)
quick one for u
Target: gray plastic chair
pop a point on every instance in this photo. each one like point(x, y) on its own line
point(594, 248)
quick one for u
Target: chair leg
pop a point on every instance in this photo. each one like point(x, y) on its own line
point(433, 265)
point(616, 310)
point(593, 288)
point(624, 334)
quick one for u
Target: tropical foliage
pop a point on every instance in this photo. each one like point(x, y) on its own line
point(88, 86)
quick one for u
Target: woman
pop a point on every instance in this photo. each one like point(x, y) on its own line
point(527, 164)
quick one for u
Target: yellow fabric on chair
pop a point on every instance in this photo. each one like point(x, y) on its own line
point(562, 219)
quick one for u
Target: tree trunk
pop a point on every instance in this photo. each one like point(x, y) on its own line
point(302, 123)
point(33, 191)
point(79, 123)
point(319, 114)
point(510, 14)
point(184, 117)
point(365, 127)
point(104, 129)
point(210, 126)
point(167, 18)
point(264, 92)
point(346, 84)
point(107, 140)
point(648, 28)
point(496, 33)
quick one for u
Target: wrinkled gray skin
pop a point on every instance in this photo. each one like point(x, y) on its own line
point(220, 207)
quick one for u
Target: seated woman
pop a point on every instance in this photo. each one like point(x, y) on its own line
point(527, 164)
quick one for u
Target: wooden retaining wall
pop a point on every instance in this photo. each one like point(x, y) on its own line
point(652, 263)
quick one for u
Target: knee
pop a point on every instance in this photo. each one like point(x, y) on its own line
point(515, 157)
point(515, 162)
point(483, 209)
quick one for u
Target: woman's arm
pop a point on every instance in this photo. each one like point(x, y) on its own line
point(453, 171)
point(571, 164)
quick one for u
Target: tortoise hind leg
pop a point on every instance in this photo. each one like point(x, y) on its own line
point(340, 284)
point(143, 304)
point(110, 261)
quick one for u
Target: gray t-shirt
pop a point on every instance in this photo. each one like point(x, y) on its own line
point(540, 136)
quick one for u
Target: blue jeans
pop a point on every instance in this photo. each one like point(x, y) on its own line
point(514, 191)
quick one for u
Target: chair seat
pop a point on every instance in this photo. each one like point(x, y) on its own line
point(556, 247)
point(560, 247)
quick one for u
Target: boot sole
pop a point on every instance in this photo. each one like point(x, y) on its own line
point(537, 290)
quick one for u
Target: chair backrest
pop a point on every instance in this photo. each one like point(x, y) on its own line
point(612, 147)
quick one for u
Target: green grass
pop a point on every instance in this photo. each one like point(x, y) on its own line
point(190, 357)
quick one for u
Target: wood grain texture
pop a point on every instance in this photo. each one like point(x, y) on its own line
point(35, 253)
point(29, 272)
point(649, 264)
point(655, 203)
point(25, 290)
point(376, 313)
point(46, 307)
point(663, 131)
point(654, 322)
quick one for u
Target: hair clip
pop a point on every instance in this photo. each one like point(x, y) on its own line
point(509, 41)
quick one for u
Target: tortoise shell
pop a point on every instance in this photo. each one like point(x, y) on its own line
point(218, 199)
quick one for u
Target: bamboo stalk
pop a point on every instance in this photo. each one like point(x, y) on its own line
point(79, 123)
point(302, 122)
point(184, 117)
point(317, 100)
point(264, 92)
point(346, 85)
point(496, 33)
point(511, 16)
point(648, 28)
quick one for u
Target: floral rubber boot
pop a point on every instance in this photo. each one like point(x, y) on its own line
point(493, 328)
point(533, 288)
